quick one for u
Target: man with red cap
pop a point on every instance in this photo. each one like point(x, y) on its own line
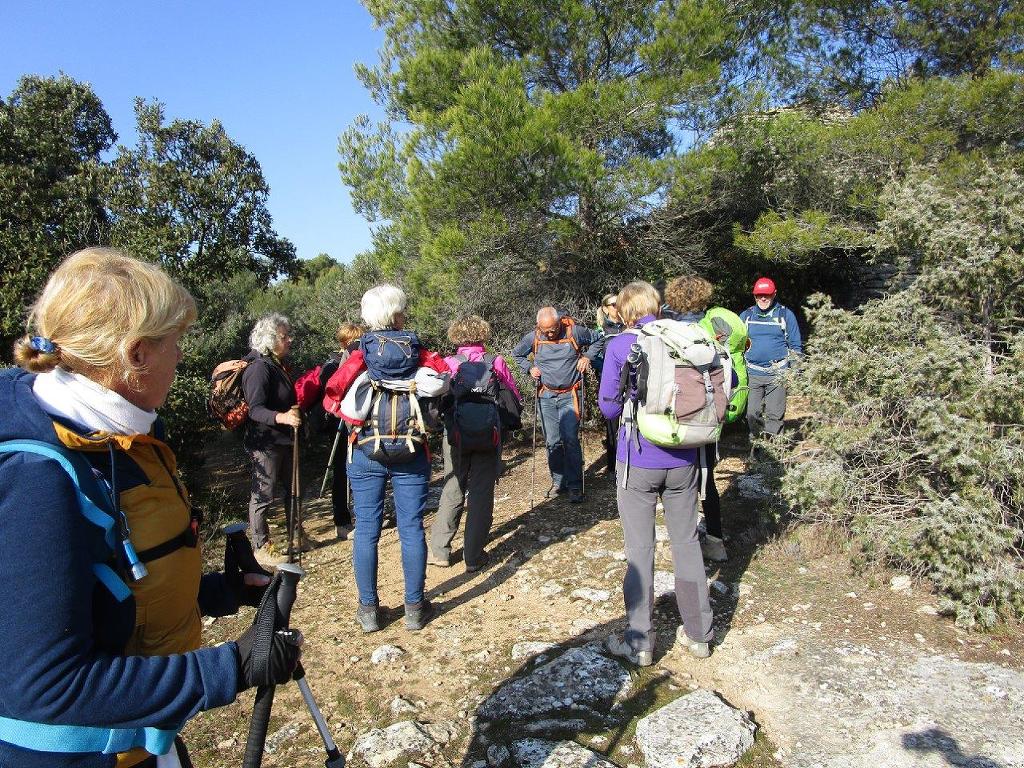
point(774, 342)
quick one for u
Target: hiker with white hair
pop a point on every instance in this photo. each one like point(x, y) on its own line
point(382, 392)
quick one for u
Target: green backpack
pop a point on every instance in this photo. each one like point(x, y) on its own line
point(731, 332)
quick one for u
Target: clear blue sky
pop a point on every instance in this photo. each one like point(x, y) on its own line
point(279, 76)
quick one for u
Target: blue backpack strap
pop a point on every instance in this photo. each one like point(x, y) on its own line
point(71, 465)
point(47, 737)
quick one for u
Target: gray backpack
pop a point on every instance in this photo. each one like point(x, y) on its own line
point(475, 424)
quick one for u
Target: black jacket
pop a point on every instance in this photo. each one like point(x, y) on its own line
point(268, 390)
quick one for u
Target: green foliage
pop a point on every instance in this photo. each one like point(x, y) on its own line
point(53, 132)
point(917, 444)
point(536, 143)
point(190, 198)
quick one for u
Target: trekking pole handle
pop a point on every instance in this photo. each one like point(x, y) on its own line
point(290, 576)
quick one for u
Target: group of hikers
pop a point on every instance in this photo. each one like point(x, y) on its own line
point(98, 527)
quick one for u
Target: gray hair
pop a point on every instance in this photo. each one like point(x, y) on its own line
point(264, 333)
point(546, 313)
point(381, 305)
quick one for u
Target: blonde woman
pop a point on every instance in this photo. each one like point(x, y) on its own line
point(347, 337)
point(653, 471)
point(610, 324)
point(90, 490)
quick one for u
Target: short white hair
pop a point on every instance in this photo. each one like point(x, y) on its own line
point(264, 333)
point(381, 305)
point(546, 313)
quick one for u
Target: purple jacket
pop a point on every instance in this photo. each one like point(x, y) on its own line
point(642, 453)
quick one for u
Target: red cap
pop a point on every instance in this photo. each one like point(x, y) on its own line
point(764, 286)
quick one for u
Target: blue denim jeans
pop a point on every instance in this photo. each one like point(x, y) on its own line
point(409, 484)
point(561, 435)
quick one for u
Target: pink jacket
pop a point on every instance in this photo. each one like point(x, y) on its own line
point(474, 353)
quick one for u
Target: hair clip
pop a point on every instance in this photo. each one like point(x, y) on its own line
point(42, 344)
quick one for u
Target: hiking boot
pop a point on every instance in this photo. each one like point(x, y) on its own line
point(440, 562)
point(696, 649)
point(342, 532)
point(481, 563)
point(575, 496)
point(617, 646)
point(366, 617)
point(418, 614)
point(269, 556)
point(713, 549)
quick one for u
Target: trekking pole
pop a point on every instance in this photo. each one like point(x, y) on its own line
point(536, 417)
point(274, 613)
point(330, 461)
point(580, 433)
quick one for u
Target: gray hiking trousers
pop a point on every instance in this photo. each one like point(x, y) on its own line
point(271, 470)
point(469, 484)
point(637, 501)
point(767, 394)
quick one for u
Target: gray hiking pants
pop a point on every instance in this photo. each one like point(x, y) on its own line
point(271, 467)
point(637, 501)
point(469, 484)
point(767, 394)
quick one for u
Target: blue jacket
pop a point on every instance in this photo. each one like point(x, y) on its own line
point(773, 335)
point(64, 634)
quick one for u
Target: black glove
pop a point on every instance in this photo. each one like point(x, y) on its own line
point(285, 652)
point(236, 568)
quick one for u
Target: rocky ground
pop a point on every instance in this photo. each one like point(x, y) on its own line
point(815, 665)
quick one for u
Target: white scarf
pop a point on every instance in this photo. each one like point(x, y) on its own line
point(80, 399)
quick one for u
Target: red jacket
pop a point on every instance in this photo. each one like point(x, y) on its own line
point(342, 379)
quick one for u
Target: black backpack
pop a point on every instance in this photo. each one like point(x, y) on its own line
point(474, 423)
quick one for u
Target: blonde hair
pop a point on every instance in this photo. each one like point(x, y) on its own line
point(635, 300)
point(471, 329)
point(96, 306)
point(688, 294)
point(347, 333)
point(602, 315)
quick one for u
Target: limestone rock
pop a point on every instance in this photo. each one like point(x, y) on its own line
point(661, 533)
point(400, 706)
point(551, 588)
point(281, 736)
point(408, 739)
point(537, 753)
point(386, 653)
point(580, 678)
point(894, 705)
point(900, 583)
point(530, 648)
point(591, 595)
point(695, 731)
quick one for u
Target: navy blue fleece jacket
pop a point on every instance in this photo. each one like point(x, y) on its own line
point(62, 630)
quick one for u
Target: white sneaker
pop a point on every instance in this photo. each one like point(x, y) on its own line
point(694, 648)
point(617, 646)
point(713, 549)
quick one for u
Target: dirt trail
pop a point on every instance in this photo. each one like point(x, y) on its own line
point(797, 582)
